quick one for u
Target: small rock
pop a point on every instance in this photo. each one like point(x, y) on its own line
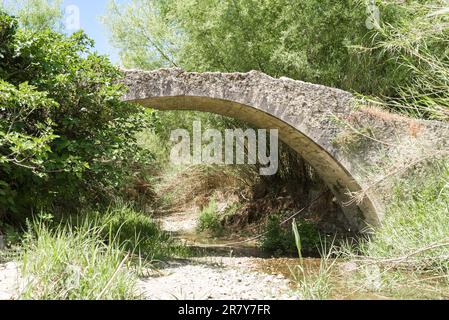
point(349, 266)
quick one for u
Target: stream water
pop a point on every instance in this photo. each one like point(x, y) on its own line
point(258, 269)
point(345, 278)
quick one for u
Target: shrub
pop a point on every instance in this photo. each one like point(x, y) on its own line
point(137, 233)
point(66, 139)
point(416, 224)
point(210, 219)
point(11, 236)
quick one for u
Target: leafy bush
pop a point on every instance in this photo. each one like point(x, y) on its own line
point(37, 15)
point(210, 219)
point(66, 139)
point(279, 239)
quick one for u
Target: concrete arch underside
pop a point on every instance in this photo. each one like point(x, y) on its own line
point(334, 175)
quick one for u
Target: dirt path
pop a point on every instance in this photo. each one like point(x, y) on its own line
point(215, 278)
point(183, 222)
point(9, 281)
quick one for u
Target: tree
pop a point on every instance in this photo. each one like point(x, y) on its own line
point(139, 29)
point(66, 139)
point(335, 43)
point(307, 40)
point(36, 15)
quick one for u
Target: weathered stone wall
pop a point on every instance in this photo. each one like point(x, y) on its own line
point(322, 124)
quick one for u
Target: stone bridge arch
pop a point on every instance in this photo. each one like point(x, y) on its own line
point(305, 115)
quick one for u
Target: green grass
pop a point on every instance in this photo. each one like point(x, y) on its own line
point(93, 257)
point(411, 248)
point(415, 229)
point(210, 220)
point(138, 233)
point(312, 283)
point(280, 240)
point(72, 263)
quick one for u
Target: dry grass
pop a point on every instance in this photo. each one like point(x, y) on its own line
point(195, 185)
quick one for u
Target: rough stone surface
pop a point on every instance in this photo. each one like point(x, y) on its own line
point(314, 120)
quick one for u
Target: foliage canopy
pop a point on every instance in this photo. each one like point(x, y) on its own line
point(65, 136)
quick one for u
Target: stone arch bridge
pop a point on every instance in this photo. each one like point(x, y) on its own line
point(352, 147)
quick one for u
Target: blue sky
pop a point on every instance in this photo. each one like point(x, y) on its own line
point(90, 13)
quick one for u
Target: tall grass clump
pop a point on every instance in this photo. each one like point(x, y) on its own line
point(416, 41)
point(313, 283)
point(137, 233)
point(279, 239)
point(73, 263)
point(415, 230)
point(210, 219)
point(95, 256)
point(408, 256)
